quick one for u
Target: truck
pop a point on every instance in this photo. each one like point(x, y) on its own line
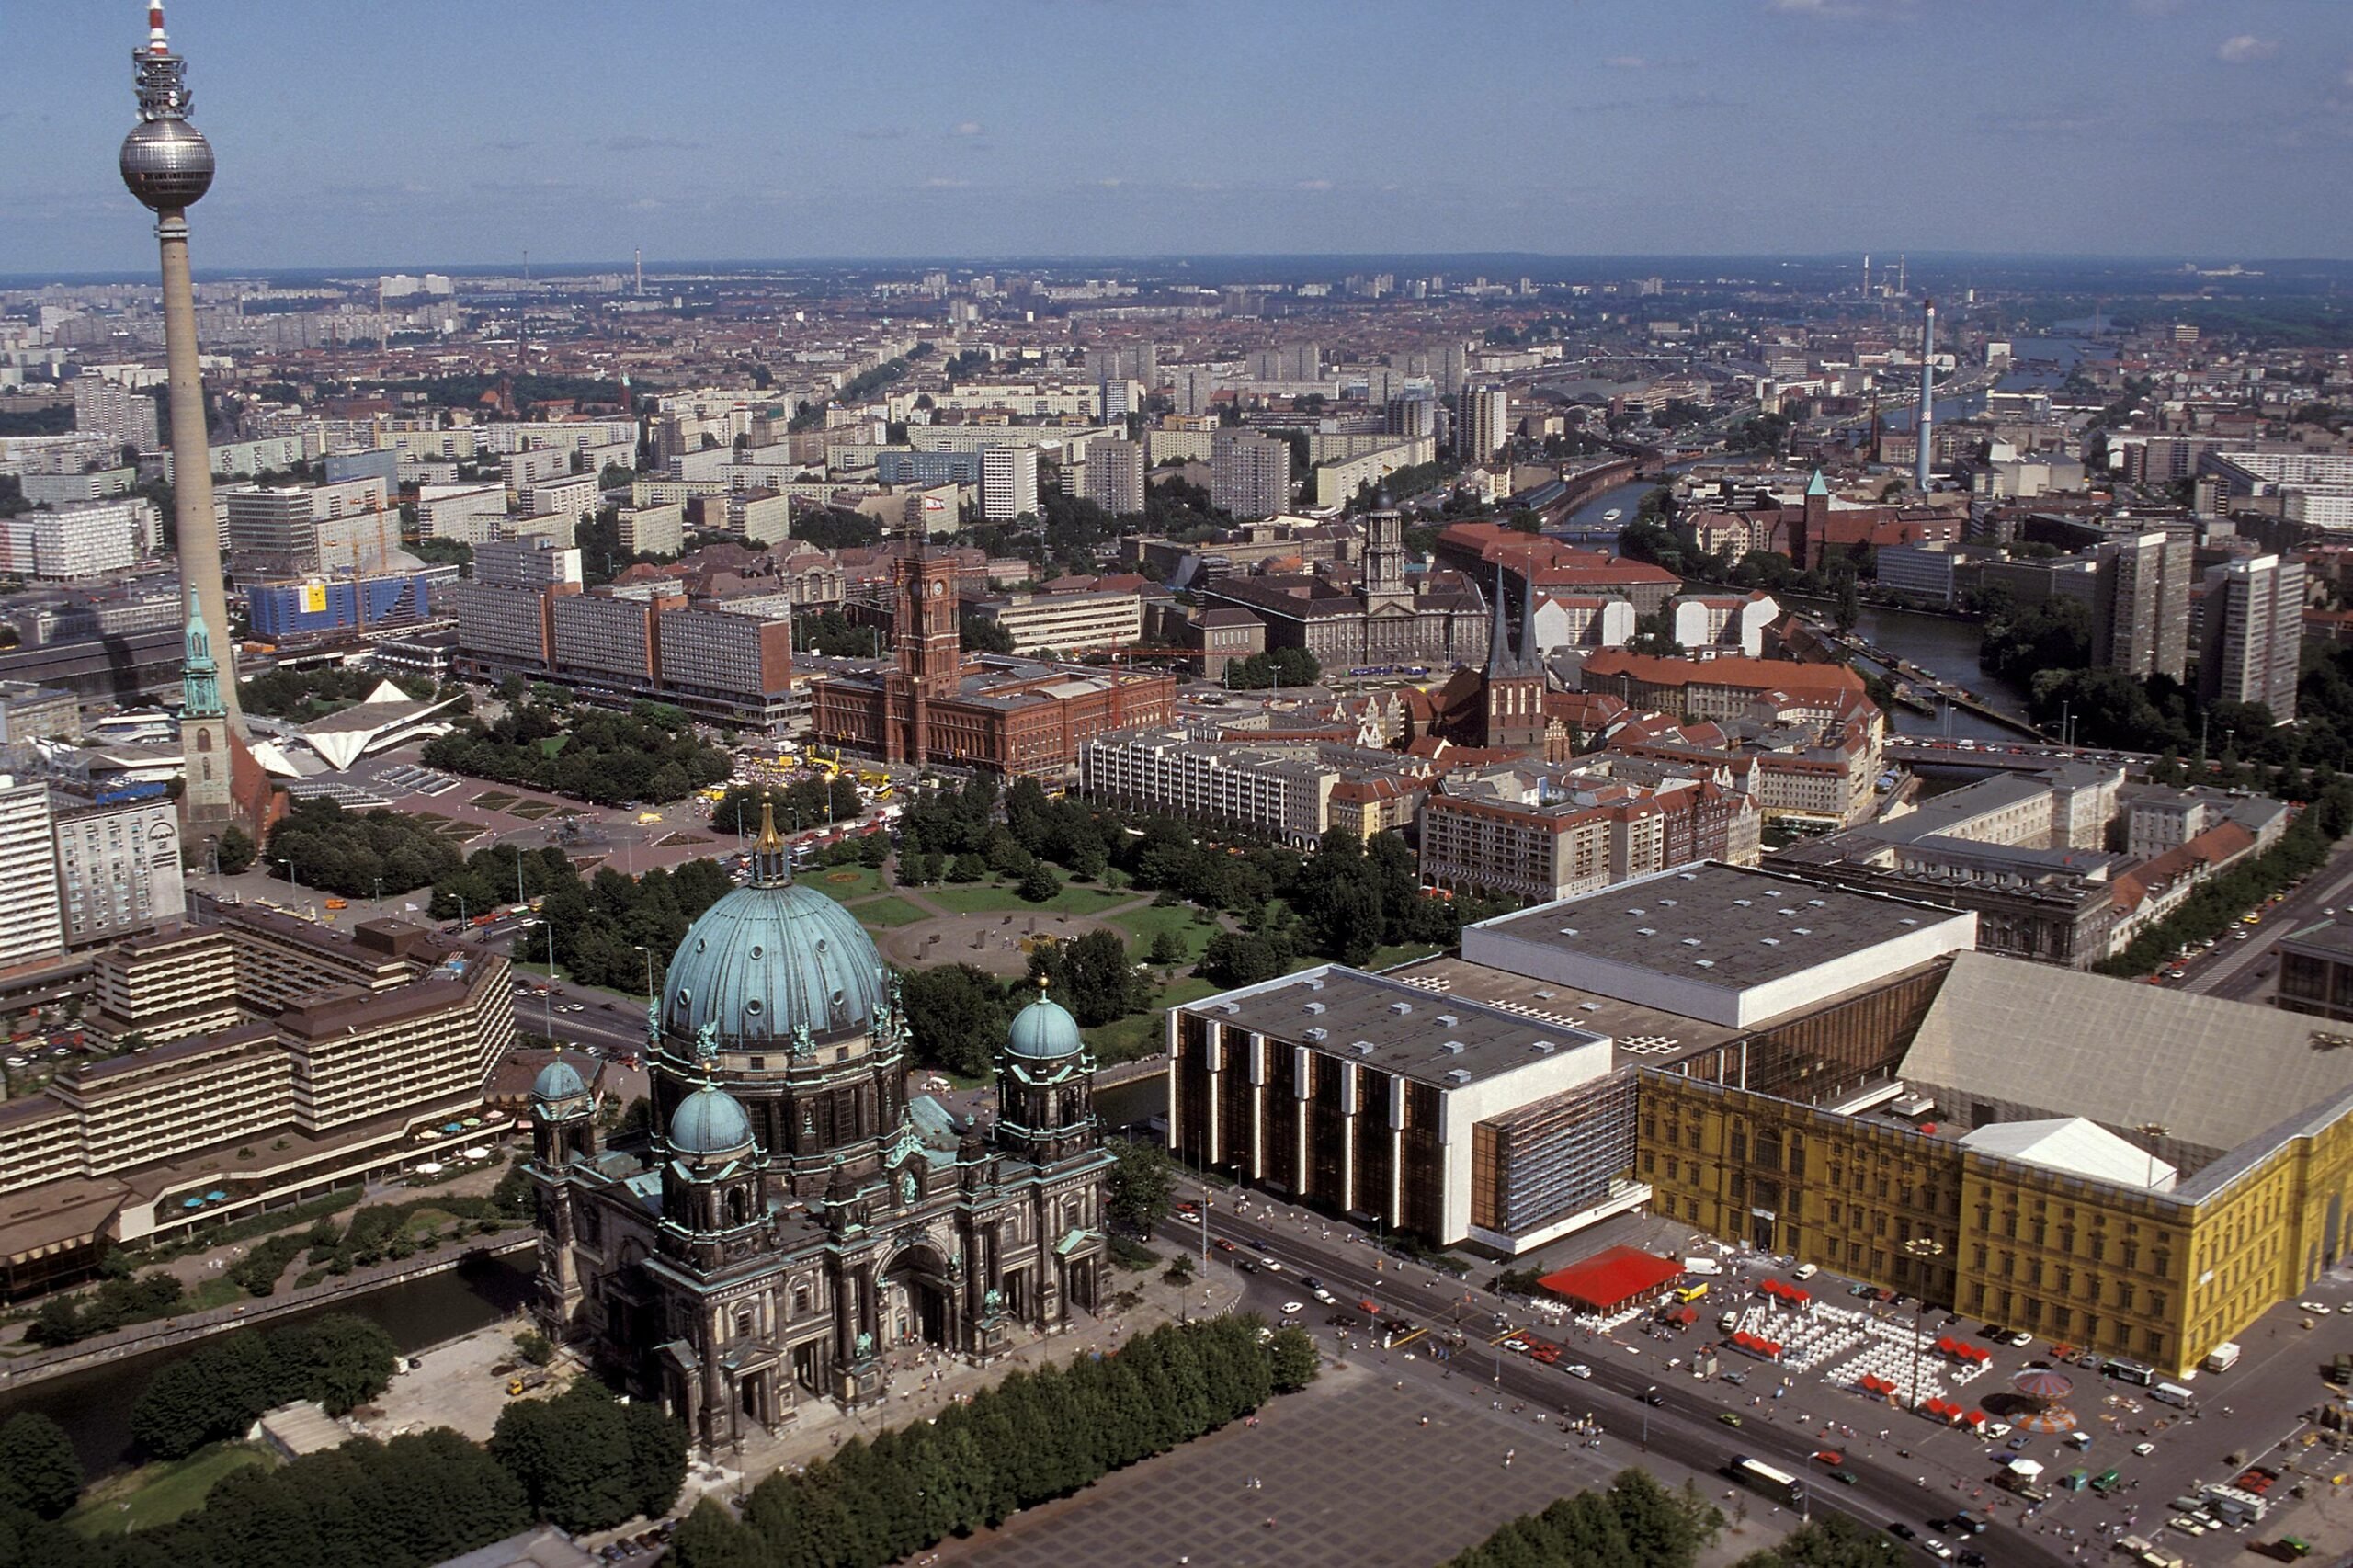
point(2223, 1357)
point(1705, 1267)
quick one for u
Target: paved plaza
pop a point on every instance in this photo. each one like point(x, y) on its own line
point(1348, 1473)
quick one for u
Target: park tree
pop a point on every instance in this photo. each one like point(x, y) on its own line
point(1142, 1185)
point(587, 1462)
point(1291, 1360)
point(958, 1016)
point(1242, 958)
point(38, 1469)
point(1039, 882)
point(710, 1537)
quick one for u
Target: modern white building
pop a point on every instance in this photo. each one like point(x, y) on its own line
point(1481, 422)
point(118, 868)
point(468, 513)
point(1249, 475)
point(86, 539)
point(1114, 477)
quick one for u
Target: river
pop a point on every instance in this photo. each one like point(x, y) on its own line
point(93, 1405)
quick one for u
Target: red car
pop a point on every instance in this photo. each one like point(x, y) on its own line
point(1222, 1244)
point(1369, 1308)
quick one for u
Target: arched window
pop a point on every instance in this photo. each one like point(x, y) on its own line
point(204, 740)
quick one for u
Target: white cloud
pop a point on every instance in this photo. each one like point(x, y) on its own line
point(967, 128)
point(938, 182)
point(1626, 62)
point(1315, 185)
point(2245, 47)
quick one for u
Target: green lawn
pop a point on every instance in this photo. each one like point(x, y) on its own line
point(211, 1293)
point(841, 883)
point(988, 898)
point(1404, 952)
point(1143, 924)
point(158, 1493)
point(888, 911)
point(1141, 1034)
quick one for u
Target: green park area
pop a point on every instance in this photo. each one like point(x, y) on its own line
point(159, 1493)
point(882, 914)
point(991, 898)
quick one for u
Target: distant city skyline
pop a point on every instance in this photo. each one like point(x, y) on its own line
point(420, 132)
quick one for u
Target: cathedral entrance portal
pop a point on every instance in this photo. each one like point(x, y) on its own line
point(917, 1304)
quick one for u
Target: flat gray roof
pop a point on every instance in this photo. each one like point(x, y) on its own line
point(1643, 1036)
point(1393, 1026)
point(1754, 926)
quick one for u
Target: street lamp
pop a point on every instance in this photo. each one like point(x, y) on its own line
point(1922, 1249)
point(648, 953)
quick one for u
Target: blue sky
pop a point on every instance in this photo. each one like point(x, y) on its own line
point(467, 132)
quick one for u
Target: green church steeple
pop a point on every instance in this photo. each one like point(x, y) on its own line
point(200, 681)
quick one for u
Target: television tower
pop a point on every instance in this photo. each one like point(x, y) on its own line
point(167, 164)
point(1925, 424)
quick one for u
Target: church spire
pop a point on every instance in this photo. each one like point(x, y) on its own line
point(1499, 634)
point(200, 677)
point(1531, 657)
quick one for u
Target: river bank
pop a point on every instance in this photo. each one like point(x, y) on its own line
point(89, 1388)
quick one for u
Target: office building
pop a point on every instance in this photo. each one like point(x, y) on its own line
point(1491, 1097)
point(1249, 475)
point(30, 923)
point(729, 668)
point(2249, 616)
point(1292, 791)
point(606, 643)
point(1114, 477)
point(1481, 424)
point(559, 495)
point(897, 466)
point(1066, 623)
point(2316, 973)
point(326, 607)
point(1008, 483)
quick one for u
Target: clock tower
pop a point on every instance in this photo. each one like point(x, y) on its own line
point(929, 652)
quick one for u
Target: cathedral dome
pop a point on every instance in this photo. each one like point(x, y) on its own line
point(710, 1121)
point(769, 958)
point(559, 1080)
point(1044, 1031)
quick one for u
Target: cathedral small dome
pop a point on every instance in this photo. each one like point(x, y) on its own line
point(710, 1121)
point(1044, 1031)
point(559, 1080)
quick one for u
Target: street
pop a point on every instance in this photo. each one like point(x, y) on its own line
point(1918, 1473)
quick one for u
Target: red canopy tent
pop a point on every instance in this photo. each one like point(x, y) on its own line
point(1610, 1279)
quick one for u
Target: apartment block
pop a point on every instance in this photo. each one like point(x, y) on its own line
point(718, 664)
point(1114, 477)
point(31, 926)
point(1008, 483)
point(654, 531)
point(2249, 617)
point(1536, 833)
point(118, 868)
point(1249, 475)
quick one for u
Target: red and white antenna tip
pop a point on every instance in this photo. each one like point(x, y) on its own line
point(156, 42)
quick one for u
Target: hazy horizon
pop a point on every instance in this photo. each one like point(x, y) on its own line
point(349, 133)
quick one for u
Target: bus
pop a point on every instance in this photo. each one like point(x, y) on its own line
point(1778, 1485)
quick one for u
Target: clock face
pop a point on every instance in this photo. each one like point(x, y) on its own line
point(938, 589)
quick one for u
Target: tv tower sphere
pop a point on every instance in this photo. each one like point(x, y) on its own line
point(167, 162)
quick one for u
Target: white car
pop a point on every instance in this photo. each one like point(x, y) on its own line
point(2318, 1309)
point(2021, 1339)
point(1998, 1428)
point(1935, 1548)
point(1293, 1309)
point(2144, 1449)
point(1324, 1295)
point(1578, 1370)
point(1270, 1265)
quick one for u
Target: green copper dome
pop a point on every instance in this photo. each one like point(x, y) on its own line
point(766, 959)
point(710, 1121)
point(1044, 1031)
point(559, 1080)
